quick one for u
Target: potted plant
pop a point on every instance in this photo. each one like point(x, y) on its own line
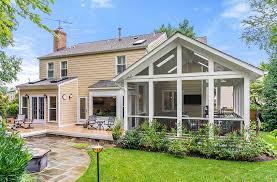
point(117, 131)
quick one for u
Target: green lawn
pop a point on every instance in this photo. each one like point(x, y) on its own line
point(133, 165)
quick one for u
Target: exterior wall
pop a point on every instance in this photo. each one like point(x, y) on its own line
point(38, 92)
point(68, 107)
point(91, 68)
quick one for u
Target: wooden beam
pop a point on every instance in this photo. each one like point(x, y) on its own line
point(166, 60)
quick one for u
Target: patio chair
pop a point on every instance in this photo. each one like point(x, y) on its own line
point(91, 122)
point(19, 120)
point(110, 123)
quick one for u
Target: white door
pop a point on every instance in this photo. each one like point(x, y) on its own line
point(82, 109)
point(37, 109)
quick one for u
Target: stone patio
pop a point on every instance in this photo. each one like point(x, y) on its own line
point(65, 163)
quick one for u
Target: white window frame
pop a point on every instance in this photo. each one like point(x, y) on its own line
point(48, 103)
point(116, 63)
point(50, 70)
point(163, 103)
point(63, 69)
point(24, 107)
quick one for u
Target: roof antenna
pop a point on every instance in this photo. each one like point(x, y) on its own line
point(119, 33)
point(59, 22)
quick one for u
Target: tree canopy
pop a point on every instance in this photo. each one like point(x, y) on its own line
point(260, 28)
point(183, 27)
point(10, 11)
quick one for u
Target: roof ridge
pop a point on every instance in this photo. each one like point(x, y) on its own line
point(117, 38)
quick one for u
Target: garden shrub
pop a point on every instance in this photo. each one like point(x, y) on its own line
point(12, 109)
point(177, 148)
point(233, 146)
point(153, 137)
point(131, 140)
point(14, 156)
point(274, 133)
point(117, 130)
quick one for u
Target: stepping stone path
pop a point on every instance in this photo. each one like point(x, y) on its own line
point(65, 163)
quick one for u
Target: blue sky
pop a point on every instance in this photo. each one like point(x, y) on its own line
point(219, 20)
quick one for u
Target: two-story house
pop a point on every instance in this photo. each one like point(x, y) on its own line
point(68, 74)
point(178, 81)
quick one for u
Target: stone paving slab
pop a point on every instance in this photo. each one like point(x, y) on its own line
point(65, 163)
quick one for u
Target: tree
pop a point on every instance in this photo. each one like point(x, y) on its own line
point(183, 27)
point(270, 95)
point(10, 66)
point(260, 27)
point(256, 90)
point(10, 10)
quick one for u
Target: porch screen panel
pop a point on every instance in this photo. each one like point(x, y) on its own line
point(52, 108)
point(166, 64)
point(192, 62)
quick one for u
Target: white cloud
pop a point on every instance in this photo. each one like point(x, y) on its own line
point(101, 4)
point(235, 9)
point(24, 48)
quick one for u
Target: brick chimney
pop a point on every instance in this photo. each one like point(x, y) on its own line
point(59, 42)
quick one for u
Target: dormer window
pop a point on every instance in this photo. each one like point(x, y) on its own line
point(50, 70)
point(63, 69)
point(121, 64)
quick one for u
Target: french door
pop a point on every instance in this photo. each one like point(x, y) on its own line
point(37, 109)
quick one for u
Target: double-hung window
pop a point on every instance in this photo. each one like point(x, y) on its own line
point(63, 69)
point(50, 70)
point(169, 100)
point(120, 64)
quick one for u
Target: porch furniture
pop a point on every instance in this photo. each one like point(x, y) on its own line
point(110, 123)
point(19, 121)
point(91, 122)
point(100, 123)
point(39, 160)
point(29, 122)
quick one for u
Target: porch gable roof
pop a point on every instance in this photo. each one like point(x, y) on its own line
point(197, 46)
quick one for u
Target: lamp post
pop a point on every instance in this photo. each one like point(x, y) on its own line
point(97, 149)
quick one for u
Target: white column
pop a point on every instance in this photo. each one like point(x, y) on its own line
point(125, 125)
point(90, 103)
point(119, 105)
point(218, 98)
point(179, 91)
point(211, 105)
point(179, 60)
point(179, 107)
point(211, 99)
point(151, 100)
point(246, 107)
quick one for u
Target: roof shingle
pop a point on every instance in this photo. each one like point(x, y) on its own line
point(109, 45)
